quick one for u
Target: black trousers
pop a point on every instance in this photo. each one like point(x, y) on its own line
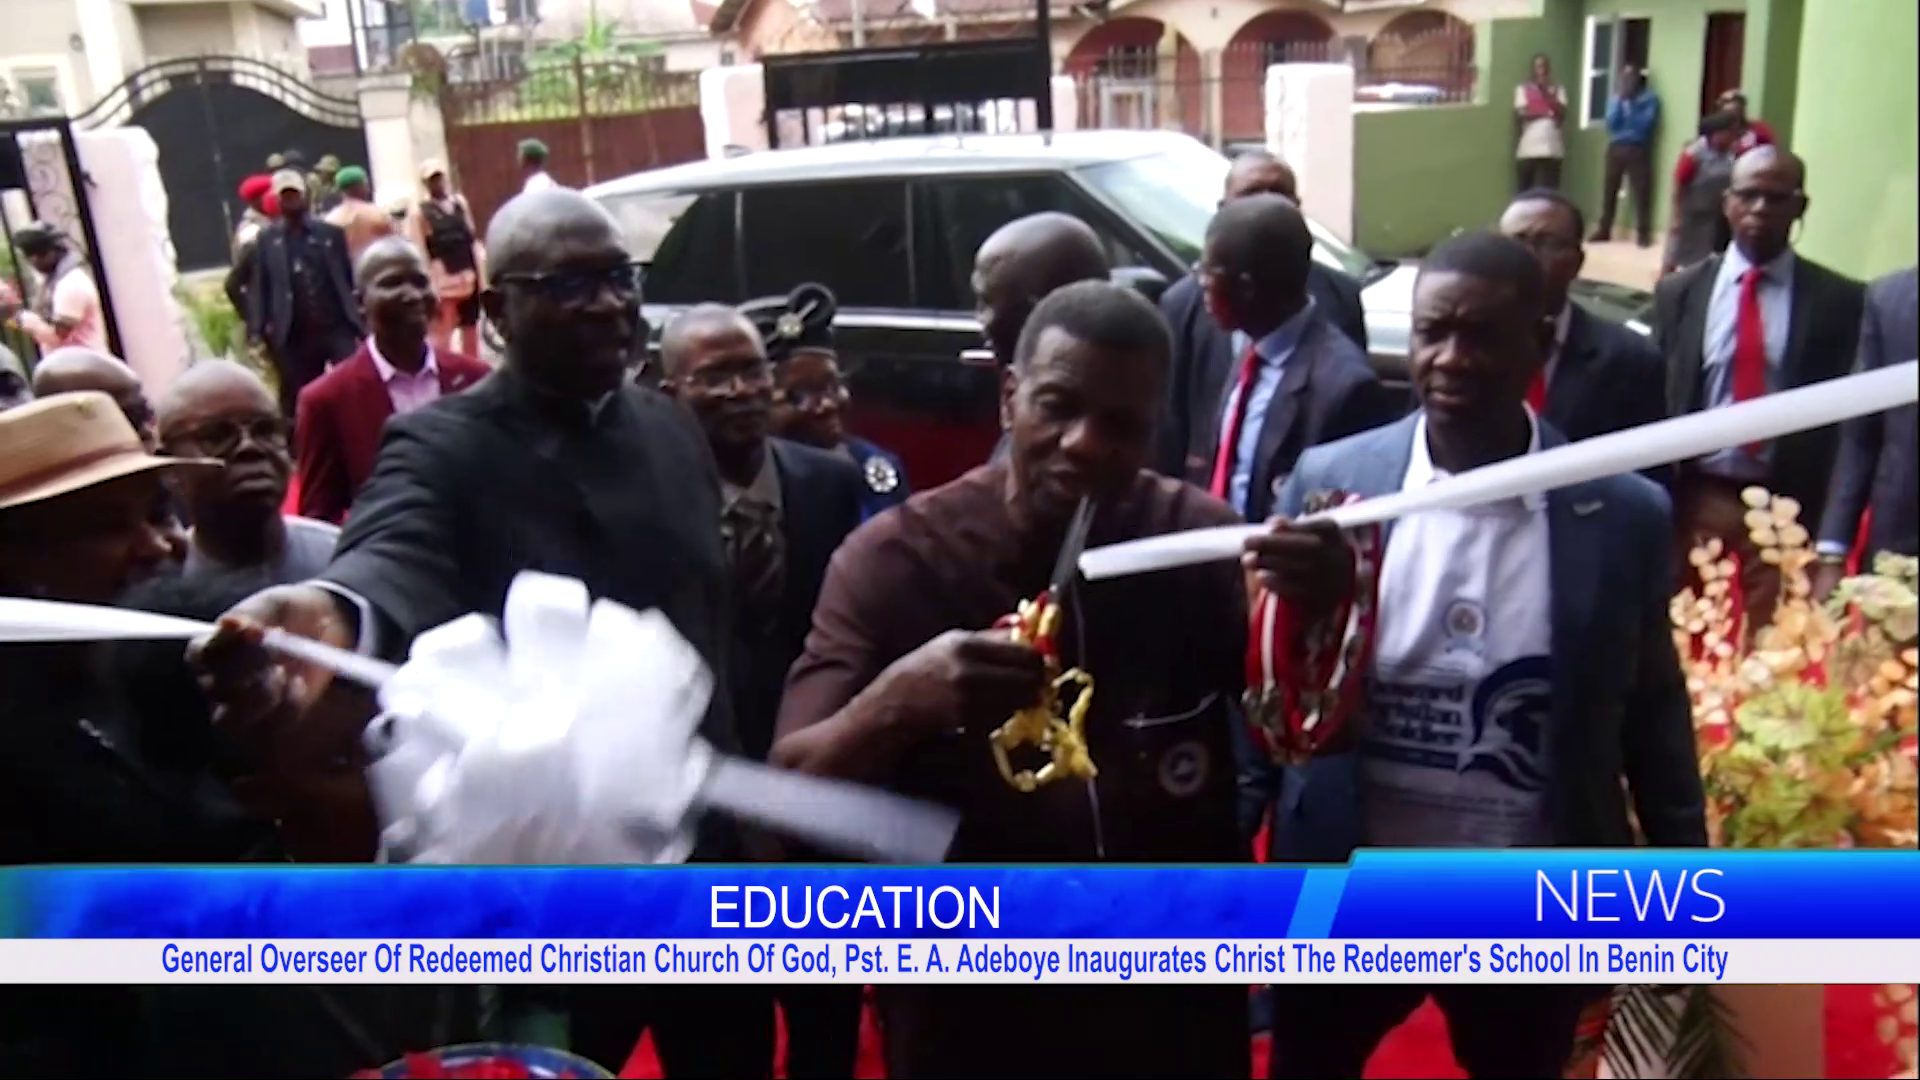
point(1322, 1032)
point(823, 1030)
point(1536, 172)
point(698, 1031)
point(1628, 161)
point(306, 355)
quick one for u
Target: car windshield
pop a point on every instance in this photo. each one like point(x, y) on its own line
point(1173, 195)
point(646, 219)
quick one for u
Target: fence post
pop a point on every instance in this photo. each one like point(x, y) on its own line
point(586, 116)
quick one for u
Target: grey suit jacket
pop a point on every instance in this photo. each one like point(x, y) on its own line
point(1820, 345)
point(1876, 462)
point(1620, 706)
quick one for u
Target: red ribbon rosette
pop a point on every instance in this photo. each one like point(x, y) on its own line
point(1305, 676)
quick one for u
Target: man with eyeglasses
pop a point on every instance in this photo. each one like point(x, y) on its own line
point(556, 463)
point(1739, 325)
point(785, 508)
point(221, 411)
point(1599, 376)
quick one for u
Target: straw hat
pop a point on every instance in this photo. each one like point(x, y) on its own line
point(65, 442)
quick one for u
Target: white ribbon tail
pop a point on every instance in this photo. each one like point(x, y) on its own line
point(845, 818)
point(1679, 439)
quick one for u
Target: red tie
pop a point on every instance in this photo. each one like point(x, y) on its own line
point(1230, 427)
point(1537, 392)
point(1749, 340)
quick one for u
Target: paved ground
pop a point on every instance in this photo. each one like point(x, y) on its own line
point(1623, 263)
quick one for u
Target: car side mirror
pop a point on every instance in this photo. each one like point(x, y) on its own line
point(1144, 280)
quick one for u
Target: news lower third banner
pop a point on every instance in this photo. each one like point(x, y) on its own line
point(1599, 917)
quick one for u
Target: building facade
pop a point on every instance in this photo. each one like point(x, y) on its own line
point(60, 56)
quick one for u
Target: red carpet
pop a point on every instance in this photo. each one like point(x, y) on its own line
point(1419, 1048)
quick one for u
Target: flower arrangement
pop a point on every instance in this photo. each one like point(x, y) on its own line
point(1806, 735)
point(1807, 730)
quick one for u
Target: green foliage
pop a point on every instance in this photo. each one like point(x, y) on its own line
point(214, 321)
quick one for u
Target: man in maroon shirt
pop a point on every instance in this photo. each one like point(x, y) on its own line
point(902, 680)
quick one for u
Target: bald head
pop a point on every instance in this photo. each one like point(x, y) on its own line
point(64, 371)
point(1022, 262)
point(219, 409)
point(386, 252)
point(1765, 197)
point(564, 294)
point(692, 331)
point(73, 368)
point(1257, 172)
point(1255, 270)
point(208, 380)
point(525, 233)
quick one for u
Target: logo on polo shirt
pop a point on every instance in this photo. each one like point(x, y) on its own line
point(1511, 711)
point(1183, 769)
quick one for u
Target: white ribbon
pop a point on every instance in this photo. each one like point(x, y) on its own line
point(574, 740)
point(1679, 439)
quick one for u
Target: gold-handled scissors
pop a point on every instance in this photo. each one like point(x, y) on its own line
point(1057, 730)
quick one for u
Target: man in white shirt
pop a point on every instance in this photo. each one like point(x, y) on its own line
point(1523, 681)
point(533, 166)
point(68, 311)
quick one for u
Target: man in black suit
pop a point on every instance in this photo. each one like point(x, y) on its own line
point(300, 302)
point(554, 463)
point(1199, 344)
point(784, 510)
point(1284, 378)
point(1876, 462)
point(1600, 377)
point(1755, 319)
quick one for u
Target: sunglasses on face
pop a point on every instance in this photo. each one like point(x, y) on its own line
point(220, 438)
point(581, 286)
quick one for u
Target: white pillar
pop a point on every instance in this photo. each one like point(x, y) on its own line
point(1066, 103)
point(1309, 122)
point(136, 251)
point(386, 110)
point(733, 108)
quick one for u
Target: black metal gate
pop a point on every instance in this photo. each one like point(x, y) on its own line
point(958, 87)
point(216, 120)
point(38, 158)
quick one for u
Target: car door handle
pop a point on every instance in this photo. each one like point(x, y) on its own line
point(978, 358)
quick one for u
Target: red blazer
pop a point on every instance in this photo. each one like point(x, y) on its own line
point(336, 429)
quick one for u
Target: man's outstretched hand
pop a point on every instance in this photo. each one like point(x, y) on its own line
point(248, 684)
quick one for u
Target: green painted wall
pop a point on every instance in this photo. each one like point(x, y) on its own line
point(1772, 84)
point(1420, 174)
point(1855, 126)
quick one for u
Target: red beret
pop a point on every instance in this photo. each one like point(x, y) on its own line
point(255, 186)
point(270, 205)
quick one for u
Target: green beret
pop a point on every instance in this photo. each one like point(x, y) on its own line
point(349, 176)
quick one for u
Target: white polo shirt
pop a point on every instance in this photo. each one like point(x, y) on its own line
point(1460, 696)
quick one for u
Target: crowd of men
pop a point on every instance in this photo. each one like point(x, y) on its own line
point(854, 626)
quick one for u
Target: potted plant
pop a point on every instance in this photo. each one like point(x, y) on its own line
point(1806, 732)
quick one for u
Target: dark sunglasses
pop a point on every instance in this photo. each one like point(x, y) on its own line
point(581, 286)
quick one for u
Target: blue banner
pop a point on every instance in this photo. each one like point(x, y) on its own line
point(1641, 893)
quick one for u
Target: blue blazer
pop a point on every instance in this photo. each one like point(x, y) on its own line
point(1620, 706)
point(883, 477)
